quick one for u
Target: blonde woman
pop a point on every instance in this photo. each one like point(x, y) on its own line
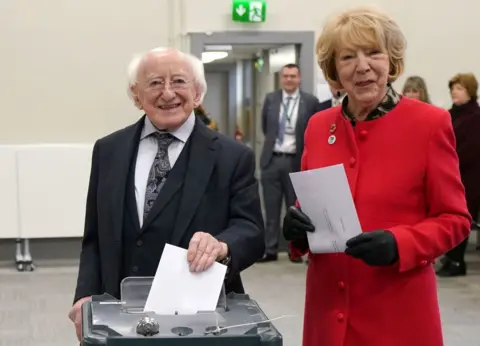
point(402, 168)
point(416, 88)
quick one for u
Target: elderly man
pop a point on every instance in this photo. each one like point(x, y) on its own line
point(167, 179)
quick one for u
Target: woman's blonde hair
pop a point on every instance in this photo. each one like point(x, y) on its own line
point(417, 83)
point(361, 28)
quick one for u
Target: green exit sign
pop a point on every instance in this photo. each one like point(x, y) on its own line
point(249, 11)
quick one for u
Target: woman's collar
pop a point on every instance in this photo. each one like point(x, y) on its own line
point(389, 102)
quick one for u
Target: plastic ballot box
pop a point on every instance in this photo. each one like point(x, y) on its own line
point(237, 321)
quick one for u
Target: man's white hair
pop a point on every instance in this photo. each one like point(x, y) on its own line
point(195, 64)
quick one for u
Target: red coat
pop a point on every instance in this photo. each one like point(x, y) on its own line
point(403, 174)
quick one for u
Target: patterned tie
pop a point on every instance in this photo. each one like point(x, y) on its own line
point(159, 170)
point(283, 121)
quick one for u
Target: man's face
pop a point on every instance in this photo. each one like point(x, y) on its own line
point(290, 79)
point(166, 90)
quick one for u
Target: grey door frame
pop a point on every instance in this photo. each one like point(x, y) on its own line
point(304, 39)
point(231, 69)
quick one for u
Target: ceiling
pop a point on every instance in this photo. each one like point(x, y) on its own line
point(238, 52)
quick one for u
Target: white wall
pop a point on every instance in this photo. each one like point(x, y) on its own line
point(63, 77)
point(64, 63)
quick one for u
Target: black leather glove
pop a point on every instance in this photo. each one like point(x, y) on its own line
point(376, 248)
point(295, 227)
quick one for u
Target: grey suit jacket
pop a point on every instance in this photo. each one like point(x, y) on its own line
point(308, 106)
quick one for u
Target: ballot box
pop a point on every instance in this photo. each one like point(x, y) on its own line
point(237, 321)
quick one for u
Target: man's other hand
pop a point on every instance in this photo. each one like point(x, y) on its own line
point(204, 250)
point(75, 315)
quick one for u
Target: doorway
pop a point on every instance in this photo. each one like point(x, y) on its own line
point(250, 105)
point(249, 76)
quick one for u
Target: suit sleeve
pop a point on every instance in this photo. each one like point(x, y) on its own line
point(89, 276)
point(318, 106)
point(245, 232)
point(448, 222)
point(299, 250)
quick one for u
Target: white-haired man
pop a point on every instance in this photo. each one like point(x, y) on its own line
point(167, 179)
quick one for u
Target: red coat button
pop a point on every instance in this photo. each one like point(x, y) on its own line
point(363, 134)
point(352, 161)
point(423, 263)
point(340, 317)
point(341, 285)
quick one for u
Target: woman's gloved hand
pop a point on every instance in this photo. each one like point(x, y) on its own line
point(376, 248)
point(295, 227)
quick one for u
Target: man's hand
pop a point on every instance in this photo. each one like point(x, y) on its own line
point(376, 248)
point(75, 315)
point(204, 250)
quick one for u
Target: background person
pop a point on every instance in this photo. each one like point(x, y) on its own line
point(202, 114)
point(465, 114)
point(285, 115)
point(416, 88)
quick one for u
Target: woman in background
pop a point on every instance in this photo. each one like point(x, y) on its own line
point(202, 114)
point(416, 88)
point(465, 114)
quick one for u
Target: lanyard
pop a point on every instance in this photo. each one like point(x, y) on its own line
point(285, 109)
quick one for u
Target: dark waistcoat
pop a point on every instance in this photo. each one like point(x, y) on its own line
point(143, 247)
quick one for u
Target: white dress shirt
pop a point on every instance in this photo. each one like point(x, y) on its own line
point(147, 150)
point(289, 140)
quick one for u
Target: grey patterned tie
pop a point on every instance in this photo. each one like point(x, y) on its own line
point(160, 168)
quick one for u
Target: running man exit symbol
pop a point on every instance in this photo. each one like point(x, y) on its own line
point(249, 11)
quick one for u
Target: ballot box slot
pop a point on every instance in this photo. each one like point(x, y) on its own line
point(182, 331)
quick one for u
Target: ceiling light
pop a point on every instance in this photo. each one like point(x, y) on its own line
point(208, 57)
point(218, 48)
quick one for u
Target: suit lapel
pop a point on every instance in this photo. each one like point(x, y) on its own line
point(299, 126)
point(119, 172)
point(200, 165)
point(301, 107)
point(276, 111)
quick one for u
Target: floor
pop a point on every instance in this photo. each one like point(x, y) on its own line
point(34, 306)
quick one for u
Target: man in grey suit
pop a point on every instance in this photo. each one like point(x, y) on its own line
point(285, 116)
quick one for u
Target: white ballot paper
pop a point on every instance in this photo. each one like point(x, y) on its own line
point(324, 195)
point(177, 290)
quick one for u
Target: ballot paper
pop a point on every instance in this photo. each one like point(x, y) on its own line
point(176, 290)
point(324, 195)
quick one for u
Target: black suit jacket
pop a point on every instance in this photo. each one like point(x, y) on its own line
point(308, 106)
point(219, 195)
point(325, 105)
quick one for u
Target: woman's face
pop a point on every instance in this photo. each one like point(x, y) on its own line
point(363, 74)
point(459, 94)
point(413, 94)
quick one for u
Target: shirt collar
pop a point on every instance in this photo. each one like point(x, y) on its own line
point(182, 133)
point(388, 103)
point(292, 95)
